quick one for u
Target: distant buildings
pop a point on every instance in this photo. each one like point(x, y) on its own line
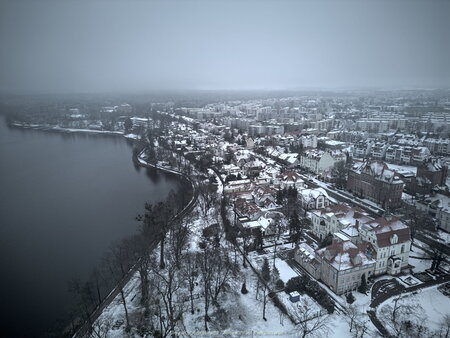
point(308, 141)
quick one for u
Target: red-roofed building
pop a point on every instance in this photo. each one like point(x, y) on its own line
point(391, 239)
point(340, 265)
point(376, 182)
point(288, 179)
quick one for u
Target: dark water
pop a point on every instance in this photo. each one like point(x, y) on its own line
point(64, 199)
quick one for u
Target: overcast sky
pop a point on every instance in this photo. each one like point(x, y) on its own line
point(100, 46)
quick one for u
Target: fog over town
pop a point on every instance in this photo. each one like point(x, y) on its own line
point(224, 168)
point(100, 46)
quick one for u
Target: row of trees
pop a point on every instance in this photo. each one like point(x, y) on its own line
point(130, 254)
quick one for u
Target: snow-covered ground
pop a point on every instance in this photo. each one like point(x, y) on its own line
point(402, 168)
point(444, 236)
point(241, 315)
point(419, 264)
point(285, 270)
point(430, 304)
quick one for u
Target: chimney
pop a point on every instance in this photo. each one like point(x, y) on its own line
point(357, 224)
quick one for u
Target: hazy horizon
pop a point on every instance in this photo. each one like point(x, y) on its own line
point(128, 46)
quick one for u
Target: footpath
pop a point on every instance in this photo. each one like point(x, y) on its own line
point(388, 288)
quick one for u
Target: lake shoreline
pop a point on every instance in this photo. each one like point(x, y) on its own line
point(169, 175)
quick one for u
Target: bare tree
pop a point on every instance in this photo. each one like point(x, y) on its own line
point(437, 256)
point(206, 276)
point(223, 269)
point(190, 273)
point(178, 239)
point(361, 327)
point(401, 318)
point(118, 262)
point(208, 197)
point(352, 316)
point(84, 303)
point(168, 284)
point(444, 327)
point(101, 327)
point(309, 321)
point(265, 296)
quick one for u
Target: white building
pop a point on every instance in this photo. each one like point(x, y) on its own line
point(308, 141)
point(320, 162)
point(288, 179)
point(313, 198)
point(391, 239)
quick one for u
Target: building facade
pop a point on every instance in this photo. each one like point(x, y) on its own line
point(376, 182)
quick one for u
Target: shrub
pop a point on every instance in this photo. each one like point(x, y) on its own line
point(279, 284)
point(350, 298)
point(244, 290)
point(304, 284)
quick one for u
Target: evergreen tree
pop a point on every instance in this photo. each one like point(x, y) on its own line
point(294, 223)
point(280, 197)
point(244, 289)
point(265, 270)
point(275, 274)
point(363, 287)
point(259, 239)
point(128, 125)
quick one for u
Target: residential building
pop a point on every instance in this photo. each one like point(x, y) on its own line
point(391, 239)
point(320, 162)
point(340, 265)
point(438, 206)
point(376, 182)
point(308, 141)
point(313, 198)
point(288, 179)
point(431, 173)
point(335, 218)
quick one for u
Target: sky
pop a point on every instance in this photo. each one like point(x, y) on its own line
point(102, 46)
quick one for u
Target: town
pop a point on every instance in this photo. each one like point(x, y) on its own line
point(320, 214)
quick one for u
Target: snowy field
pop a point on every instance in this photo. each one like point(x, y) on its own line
point(241, 315)
point(430, 304)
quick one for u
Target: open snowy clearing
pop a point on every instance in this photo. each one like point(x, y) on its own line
point(430, 304)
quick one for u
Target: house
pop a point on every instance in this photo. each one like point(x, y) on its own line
point(313, 198)
point(319, 162)
point(250, 144)
point(294, 297)
point(340, 265)
point(334, 218)
point(253, 168)
point(289, 159)
point(438, 206)
point(431, 172)
point(288, 179)
point(376, 182)
point(391, 240)
point(247, 210)
point(236, 186)
point(264, 195)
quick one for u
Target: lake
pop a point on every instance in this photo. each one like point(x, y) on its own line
point(64, 200)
